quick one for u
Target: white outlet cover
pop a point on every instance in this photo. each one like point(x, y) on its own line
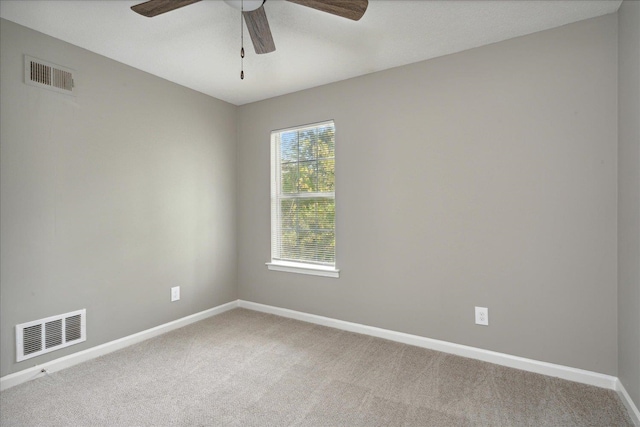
point(482, 316)
point(175, 293)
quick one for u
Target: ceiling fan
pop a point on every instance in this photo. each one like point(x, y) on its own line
point(256, 17)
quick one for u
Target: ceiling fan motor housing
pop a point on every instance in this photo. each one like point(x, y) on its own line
point(246, 5)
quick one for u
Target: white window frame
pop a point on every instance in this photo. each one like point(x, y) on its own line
point(285, 265)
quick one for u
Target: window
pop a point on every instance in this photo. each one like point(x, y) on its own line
point(303, 231)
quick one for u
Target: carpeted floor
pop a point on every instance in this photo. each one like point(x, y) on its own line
point(244, 368)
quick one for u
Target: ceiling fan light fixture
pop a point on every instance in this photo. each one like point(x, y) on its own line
point(246, 5)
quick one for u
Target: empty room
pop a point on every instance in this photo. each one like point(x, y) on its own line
point(320, 213)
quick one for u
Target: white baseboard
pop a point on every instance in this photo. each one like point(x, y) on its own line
point(550, 369)
point(634, 413)
point(91, 353)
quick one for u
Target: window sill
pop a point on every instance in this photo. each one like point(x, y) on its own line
point(300, 268)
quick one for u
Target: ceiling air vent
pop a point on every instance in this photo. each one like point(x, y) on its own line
point(47, 75)
point(45, 335)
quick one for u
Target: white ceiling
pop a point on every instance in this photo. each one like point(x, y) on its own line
point(198, 46)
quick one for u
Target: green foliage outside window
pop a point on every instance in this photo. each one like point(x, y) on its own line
point(307, 204)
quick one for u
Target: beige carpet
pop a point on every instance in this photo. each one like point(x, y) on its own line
point(244, 368)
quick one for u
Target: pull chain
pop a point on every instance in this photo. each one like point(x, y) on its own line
point(242, 41)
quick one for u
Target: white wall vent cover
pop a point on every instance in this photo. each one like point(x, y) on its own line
point(53, 333)
point(47, 75)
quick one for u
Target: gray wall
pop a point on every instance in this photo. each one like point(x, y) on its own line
point(629, 199)
point(483, 178)
point(110, 198)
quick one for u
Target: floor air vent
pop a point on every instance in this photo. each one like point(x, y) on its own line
point(47, 75)
point(53, 333)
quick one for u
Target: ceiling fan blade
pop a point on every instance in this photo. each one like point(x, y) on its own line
point(259, 30)
point(351, 9)
point(153, 8)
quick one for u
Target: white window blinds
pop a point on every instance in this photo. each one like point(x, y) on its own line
point(303, 195)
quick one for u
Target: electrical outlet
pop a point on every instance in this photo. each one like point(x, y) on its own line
point(175, 293)
point(482, 316)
